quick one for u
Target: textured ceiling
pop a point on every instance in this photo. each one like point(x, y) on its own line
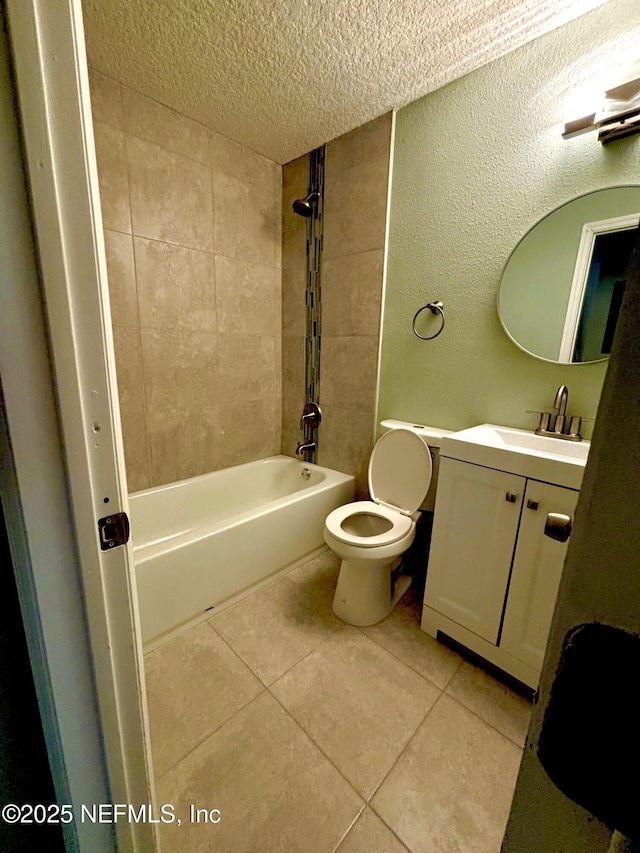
point(284, 76)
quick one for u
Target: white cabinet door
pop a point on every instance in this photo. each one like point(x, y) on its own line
point(537, 568)
point(475, 524)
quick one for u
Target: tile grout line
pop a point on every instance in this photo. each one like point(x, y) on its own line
point(212, 253)
point(323, 753)
point(422, 675)
point(482, 720)
point(266, 689)
point(237, 711)
point(443, 690)
point(139, 324)
point(304, 657)
point(425, 715)
point(406, 746)
point(209, 735)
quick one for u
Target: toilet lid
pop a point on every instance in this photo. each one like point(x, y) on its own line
point(400, 470)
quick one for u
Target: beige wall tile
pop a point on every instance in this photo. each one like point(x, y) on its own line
point(122, 278)
point(234, 160)
point(132, 412)
point(348, 372)
point(175, 286)
point(294, 310)
point(295, 180)
point(352, 294)
point(150, 120)
point(293, 392)
point(183, 447)
point(345, 442)
point(248, 369)
point(248, 297)
point(293, 372)
point(170, 196)
point(249, 431)
point(367, 144)
point(295, 184)
point(181, 399)
point(294, 243)
point(355, 207)
point(106, 100)
point(180, 371)
point(246, 221)
point(112, 177)
point(202, 373)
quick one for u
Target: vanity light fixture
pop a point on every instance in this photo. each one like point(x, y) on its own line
point(618, 117)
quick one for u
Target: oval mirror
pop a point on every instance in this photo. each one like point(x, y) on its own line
point(562, 287)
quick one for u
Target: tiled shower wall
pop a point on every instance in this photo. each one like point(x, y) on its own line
point(193, 236)
point(355, 208)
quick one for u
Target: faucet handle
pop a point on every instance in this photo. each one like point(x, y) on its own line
point(574, 425)
point(545, 418)
point(311, 415)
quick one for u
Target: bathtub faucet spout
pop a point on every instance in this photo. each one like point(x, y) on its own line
point(301, 448)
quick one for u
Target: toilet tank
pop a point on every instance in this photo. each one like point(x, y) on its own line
point(432, 437)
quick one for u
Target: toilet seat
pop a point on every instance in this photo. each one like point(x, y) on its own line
point(400, 470)
point(400, 524)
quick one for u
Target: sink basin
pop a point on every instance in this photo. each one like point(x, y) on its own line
point(519, 451)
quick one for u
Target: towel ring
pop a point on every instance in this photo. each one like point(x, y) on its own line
point(435, 308)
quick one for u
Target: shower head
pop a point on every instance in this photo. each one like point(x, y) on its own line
point(304, 206)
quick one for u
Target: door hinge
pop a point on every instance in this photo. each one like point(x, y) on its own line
point(113, 530)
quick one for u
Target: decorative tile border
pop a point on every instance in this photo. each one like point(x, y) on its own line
point(313, 294)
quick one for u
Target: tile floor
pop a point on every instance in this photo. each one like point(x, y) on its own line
point(311, 736)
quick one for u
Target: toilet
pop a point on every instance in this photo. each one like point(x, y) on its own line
point(371, 536)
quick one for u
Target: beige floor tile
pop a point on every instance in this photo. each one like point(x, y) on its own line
point(274, 789)
point(195, 683)
point(451, 790)
point(359, 704)
point(276, 627)
point(494, 702)
point(370, 835)
point(400, 633)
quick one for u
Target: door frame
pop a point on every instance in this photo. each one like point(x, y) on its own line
point(51, 78)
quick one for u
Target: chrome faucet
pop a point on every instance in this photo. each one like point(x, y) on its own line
point(558, 431)
point(301, 448)
point(560, 403)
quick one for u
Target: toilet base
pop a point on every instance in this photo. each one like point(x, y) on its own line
point(363, 594)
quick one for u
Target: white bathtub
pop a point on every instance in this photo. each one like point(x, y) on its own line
point(199, 542)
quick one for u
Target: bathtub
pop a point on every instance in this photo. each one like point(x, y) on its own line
point(199, 543)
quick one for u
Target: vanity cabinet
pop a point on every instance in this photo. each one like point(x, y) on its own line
point(493, 574)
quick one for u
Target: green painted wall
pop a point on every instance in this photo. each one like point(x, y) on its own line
point(476, 165)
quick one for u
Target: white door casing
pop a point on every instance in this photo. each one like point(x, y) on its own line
point(51, 76)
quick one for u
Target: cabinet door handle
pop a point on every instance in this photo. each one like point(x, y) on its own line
point(511, 498)
point(558, 526)
point(532, 505)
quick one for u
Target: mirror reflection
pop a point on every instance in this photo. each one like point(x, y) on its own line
point(562, 287)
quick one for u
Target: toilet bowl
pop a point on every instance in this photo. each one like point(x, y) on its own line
point(370, 536)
